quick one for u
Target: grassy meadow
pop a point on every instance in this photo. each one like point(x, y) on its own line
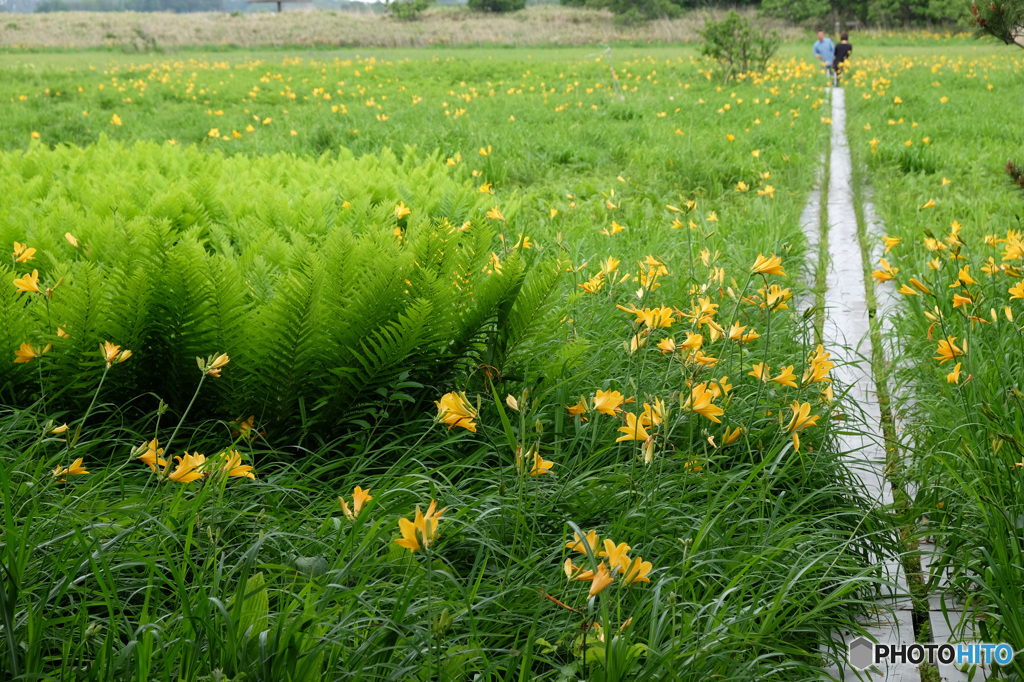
point(268, 308)
point(935, 131)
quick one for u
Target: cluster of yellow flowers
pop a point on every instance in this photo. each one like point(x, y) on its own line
point(699, 397)
point(968, 294)
point(193, 467)
point(615, 560)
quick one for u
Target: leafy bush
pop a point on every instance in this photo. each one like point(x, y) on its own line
point(499, 6)
point(408, 9)
point(329, 302)
point(737, 45)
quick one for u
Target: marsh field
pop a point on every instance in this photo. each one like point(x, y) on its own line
point(492, 363)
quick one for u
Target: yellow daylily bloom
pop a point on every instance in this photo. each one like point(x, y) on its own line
point(419, 533)
point(948, 350)
point(592, 540)
point(112, 353)
point(768, 266)
point(454, 410)
point(959, 300)
point(700, 401)
point(188, 468)
point(602, 579)
point(76, 469)
point(574, 572)
point(890, 243)
point(637, 572)
point(633, 429)
point(401, 210)
point(963, 278)
point(801, 418)
point(495, 214)
point(151, 455)
point(26, 353)
point(608, 402)
point(22, 253)
point(617, 555)
point(213, 369)
point(761, 371)
point(538, 465)
point(653, 416)
point(786, 377)
point(578, 408)
point(954, 376)
point(28, 284)
point(359, 498)
point(230, 463)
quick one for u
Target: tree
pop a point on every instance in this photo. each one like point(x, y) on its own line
point(738, 45)
point(1005, 21)
point(408, 9)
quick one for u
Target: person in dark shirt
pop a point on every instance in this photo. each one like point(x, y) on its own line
point(843, 50)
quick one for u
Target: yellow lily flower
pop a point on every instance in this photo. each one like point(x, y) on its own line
point(454, 410)
point(948, 350)
point(633, 429)
point(28, 284)
point(76, 469)
point(188, 468)
point(608, 402)
point(602, 579)
point(768, 266)
point(151, 455)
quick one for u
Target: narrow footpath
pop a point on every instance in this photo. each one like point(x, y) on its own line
point(846, 332)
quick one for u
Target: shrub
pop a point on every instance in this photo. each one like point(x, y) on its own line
point(737, 45)
point(408, 9)
point(498, 6)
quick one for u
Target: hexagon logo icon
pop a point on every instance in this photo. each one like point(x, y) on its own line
point(861, 653)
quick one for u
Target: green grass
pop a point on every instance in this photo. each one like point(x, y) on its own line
point(947, 141)
point(758, 550)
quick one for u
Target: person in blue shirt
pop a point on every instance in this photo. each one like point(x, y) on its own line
point(825, 52)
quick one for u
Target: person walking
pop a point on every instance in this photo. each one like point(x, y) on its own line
point(825, 52)
point(842, 55)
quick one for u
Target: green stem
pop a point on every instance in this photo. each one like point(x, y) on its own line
point(181, 421)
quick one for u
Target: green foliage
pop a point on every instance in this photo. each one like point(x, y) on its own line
point(306, 286)
point(798, 10)
point(938, 138)
point(497, 6)
point(1004, 20)
point(737, 45)
point(820, 14)
point(408, 10)
point(633, 11)
point(285, 253)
